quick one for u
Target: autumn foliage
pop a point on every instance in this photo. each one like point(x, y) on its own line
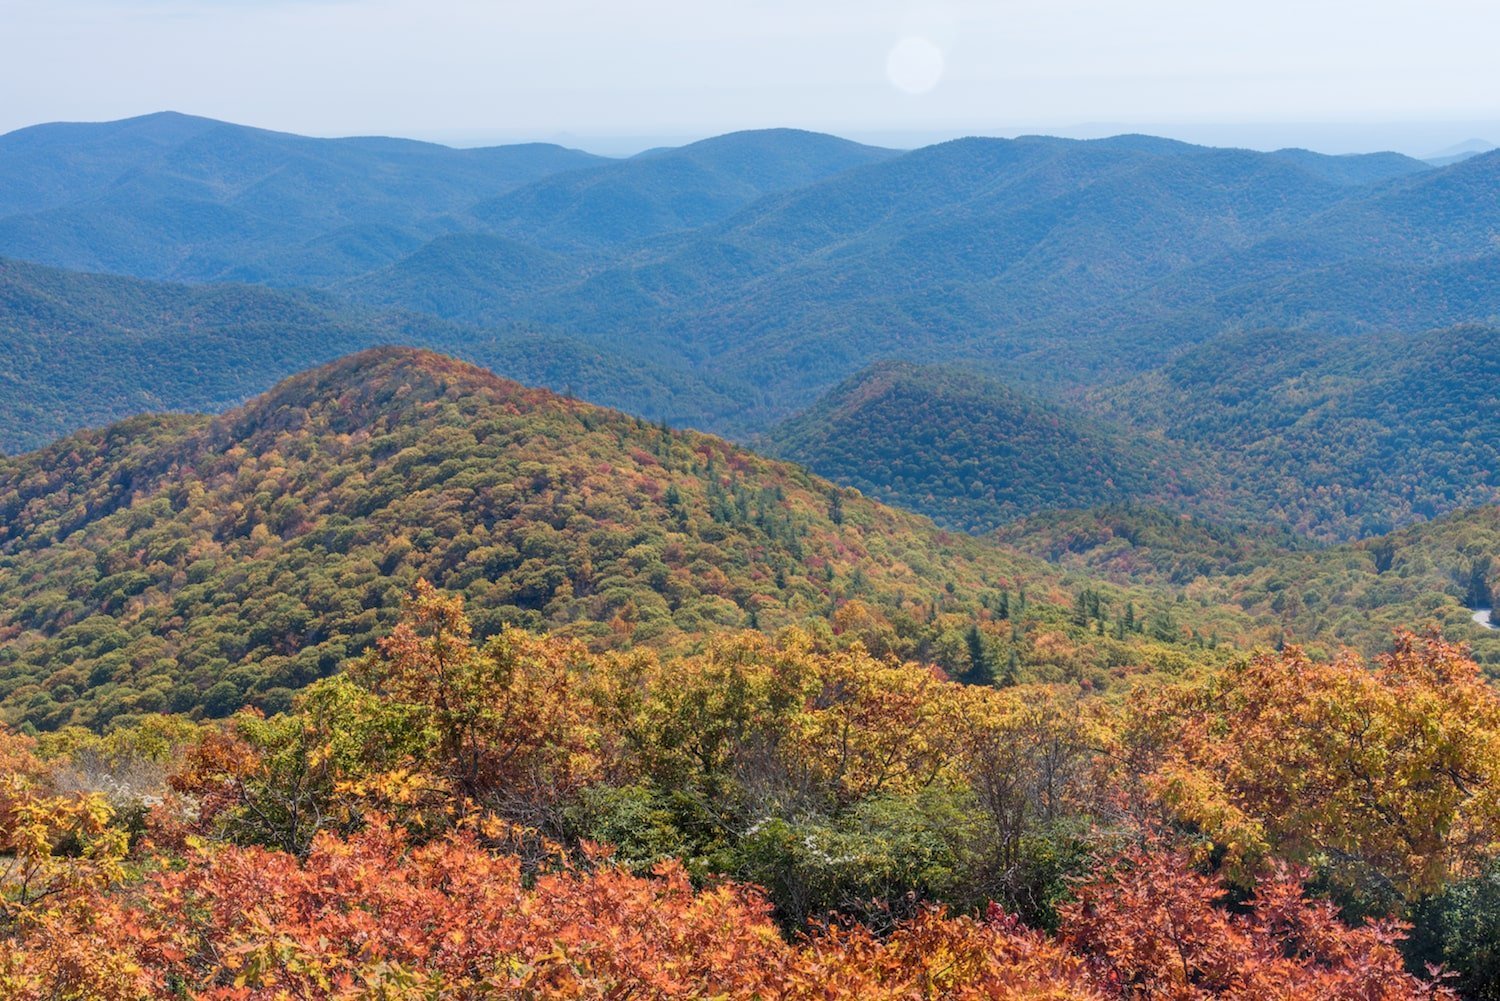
point(1153, 926)
point(1389, 777)
point(375, 915)
point(786, 818)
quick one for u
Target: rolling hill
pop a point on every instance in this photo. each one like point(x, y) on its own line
point(967, 451)
point(196, 563)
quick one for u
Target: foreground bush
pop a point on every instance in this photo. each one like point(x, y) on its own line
point(375, 915)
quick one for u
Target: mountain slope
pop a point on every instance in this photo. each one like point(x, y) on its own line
point(82, 350)
point(1412, 253)
point(1139, 542)
point(195, 563)
point(671, 189)
point(977, 248)
point(785, 260)
point(1357, 593)
point(1329, 437)
point(967, 451)
point(171, 196)
point(1353, 594)
point(1334, 436)
point(86, 349)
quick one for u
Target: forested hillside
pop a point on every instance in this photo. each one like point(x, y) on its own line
point(1142, 542)
point(953, 770)
point(967, 451)
point(951, 246)
point(785, 819)
point(731, 283)
point(83, 350)
point(1332, 436)
point(780, 262)
point(1430, 575)
point(405, 680)
point(191, 562)
point(1324, 436)
point(662, 191)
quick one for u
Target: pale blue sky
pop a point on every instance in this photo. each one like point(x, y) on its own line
point(612, 75)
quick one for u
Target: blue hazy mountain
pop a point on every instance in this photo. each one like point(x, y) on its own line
point(82, 350)
point(173, 196)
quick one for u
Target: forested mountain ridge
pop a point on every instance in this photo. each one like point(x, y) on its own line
point(728, 284)
point(173, 196)
point(798, 256)
point(1333, 436)
point(967, 451)
point(200, 562)
point(83, 349)
point(1327, 437)
point(660, 191)
point(950, 246)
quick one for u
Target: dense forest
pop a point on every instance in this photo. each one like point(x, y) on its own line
point(729, 284)
point(969, 452)
point(429, 822)
point(1431, 575)
point(1106, 619)
point(193, 564)
point(1333, 436)
point(87, 349)
point(1328, 437)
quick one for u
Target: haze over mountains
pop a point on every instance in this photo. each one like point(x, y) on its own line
point(729, 284)
point(1093, 539)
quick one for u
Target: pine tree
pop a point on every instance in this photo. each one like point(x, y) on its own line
point(979, 671)
point(1012, 673)
point(1479, 587)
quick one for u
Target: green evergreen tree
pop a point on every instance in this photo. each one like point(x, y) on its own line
point(979, 671)
point(1012, 673)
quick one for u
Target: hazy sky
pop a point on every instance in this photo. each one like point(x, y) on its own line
point(1322, 73)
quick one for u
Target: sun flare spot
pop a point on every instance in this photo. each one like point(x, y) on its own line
point(914, 65)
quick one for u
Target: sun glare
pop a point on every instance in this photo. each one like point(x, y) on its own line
point(914, 65)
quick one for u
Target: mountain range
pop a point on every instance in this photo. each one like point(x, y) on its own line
point(1099, 288)
point(1091, 539)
